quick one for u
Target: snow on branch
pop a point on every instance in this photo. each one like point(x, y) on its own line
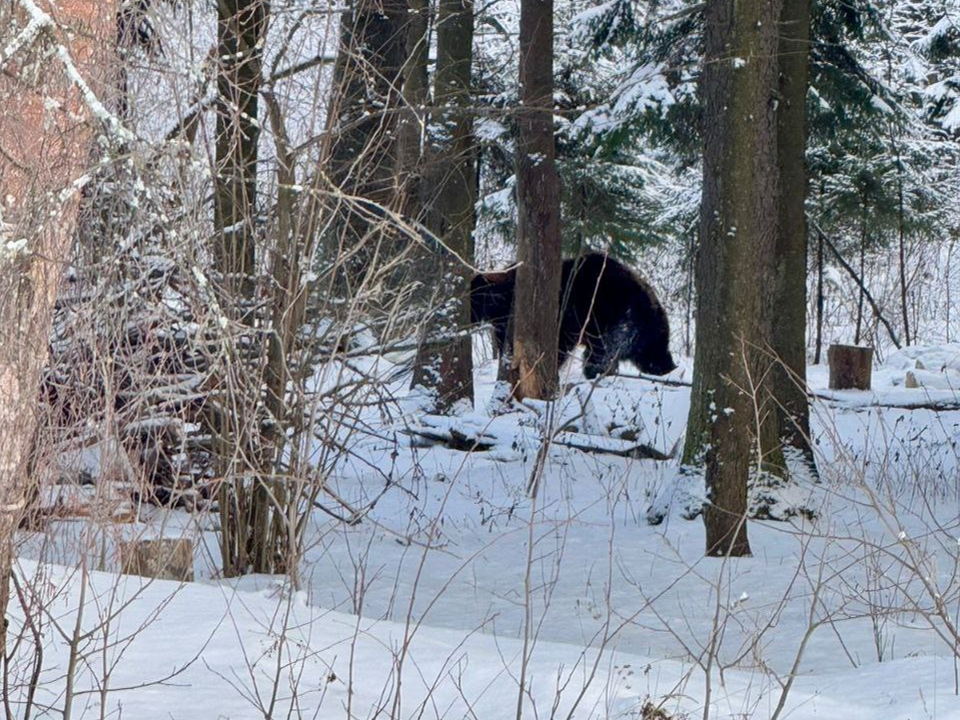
point(24, 39)
point(42, 22)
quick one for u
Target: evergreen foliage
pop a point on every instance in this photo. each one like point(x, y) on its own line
point(884, 114)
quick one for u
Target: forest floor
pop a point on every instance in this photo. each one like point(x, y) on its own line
point(457, 589)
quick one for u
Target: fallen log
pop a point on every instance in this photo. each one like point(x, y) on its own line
point(875, 404)
point(602, 445)
point(464, 441)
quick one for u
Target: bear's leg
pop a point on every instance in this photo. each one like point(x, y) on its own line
point(500, 328)
point(617, 343)
point(595, 362)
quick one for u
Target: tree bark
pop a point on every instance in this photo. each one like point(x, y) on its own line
point(902, 248)
point(789, 342)
point(862, 276)
point(363, 119)
point(241, 31)
point(415, 90)
point(819, 343)
point(536, 299)
point(43, 152)
point(245, 509)
point(735, 269)
point(445, 371)
point(851, 367)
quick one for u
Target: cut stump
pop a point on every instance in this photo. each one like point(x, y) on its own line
point(851, 367)
point(164, 559)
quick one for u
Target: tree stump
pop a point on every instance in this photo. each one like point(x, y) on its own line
point(851, 367)
point(164, 558)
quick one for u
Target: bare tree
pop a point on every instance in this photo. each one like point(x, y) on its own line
point(43, 155)
point(246, 503)
point(735, 266)
point(241, 33)
point(535, 326)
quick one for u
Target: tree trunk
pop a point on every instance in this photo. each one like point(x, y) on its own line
point(241, 31)
point(902, 247)
point(851, 367)
point(819, 344)
point(444, 368)
point(735, 269)
point(863, 266)
point(411, 114)
point(536, 299)
point(363, 119)
point(245, 500)
point(43, 152)
point(789, 342)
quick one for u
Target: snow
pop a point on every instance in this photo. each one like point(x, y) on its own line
point(39, 20)
point(331, 659)
point(646, 88)
point(429, 605)
point(456, 583)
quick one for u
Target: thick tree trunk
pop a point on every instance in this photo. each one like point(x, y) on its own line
point(851, 367)
point(735, 267)
point(43, 152)
point(363, 118)
point(789, 342)
point(412, 111)
point(444, 368)
point(536, 315)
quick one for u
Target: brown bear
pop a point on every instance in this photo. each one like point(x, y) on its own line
point(604, 306)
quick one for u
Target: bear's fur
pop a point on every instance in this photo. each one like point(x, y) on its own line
point(604, 306)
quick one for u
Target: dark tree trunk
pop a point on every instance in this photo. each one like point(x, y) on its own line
point(902, 247)
point(819, 345)
point(789, 342)
point(735, 268)
point(535, 333)
point(363, 119)
point(241, 28)
point(444, 367)
point(851, 367)
point(412, 111)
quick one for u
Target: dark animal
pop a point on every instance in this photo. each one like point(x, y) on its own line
point(604, 306)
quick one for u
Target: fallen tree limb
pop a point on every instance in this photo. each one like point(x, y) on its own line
point(456, 439)
point(654, 379)
point(601, 445)
point(924, 404)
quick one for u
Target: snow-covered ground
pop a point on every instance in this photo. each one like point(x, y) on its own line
point(457, 589)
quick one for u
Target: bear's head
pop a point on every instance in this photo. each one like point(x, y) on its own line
point(653, 356)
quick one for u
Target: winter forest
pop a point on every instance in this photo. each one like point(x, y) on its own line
point(480, 359)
